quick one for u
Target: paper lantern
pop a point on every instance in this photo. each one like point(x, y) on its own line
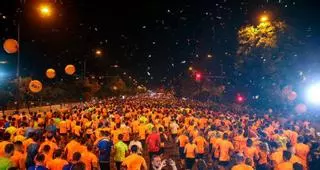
point(270, 110)
point(292, 96)
point(301, 108)
point(51, 73)
point(11, 46)
point(70, 69)
point(35, 86)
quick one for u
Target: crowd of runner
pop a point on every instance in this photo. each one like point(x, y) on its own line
point(149, 133)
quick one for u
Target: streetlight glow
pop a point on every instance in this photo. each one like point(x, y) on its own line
point(45, 10)
point(98, 53)
point(313, 94)
point(264, 18)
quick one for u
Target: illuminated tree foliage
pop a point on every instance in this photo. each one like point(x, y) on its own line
point(264, 35)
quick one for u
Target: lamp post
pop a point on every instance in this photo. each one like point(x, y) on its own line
point(45, 10)
point(97, 54)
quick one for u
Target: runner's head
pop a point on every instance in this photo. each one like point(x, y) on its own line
point(297, 166)
point(76, 156)
point(8, 149)
point(156, 161)
point(39, 158)
point(134, 148)
point(249, 142)
point(248, 161)
point(120, 137)
point(57, 153)
point(6, 136)
point(239, 158)
point(286, 155)
point(49, 136)
point(79, 166)
point(225, 136)
point(300, 139)
point(46, 148)
point(154, 130)
point(18, 146)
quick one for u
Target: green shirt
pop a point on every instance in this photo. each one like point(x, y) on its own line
point(120, 149)
point(5, 163)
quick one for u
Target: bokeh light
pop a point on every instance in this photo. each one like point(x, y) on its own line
point(313, 94)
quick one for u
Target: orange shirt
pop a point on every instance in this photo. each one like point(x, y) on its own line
point(47, 158)
point(293, 137)
point(202, 123)
point(18, 159)
point(63, 127)
point(302, 151)
point(56, 164)
point(76, 130)
point(68, 122)
point(277, 157)
point(126, 134)
point(53, 147)
point(166, 121)
point(295, 159)
point(263, 157)
point(201, 143)
point(115, 135)
point(284, 166)
point(190, 150)
point(251, 152)
point(2, 146)
point(224, 148)
point(88, 158)
point(239, 143)
point(242, 167)
point(49, 115)
point(215, 145)
point(71, 148)
point(183, 140)
point(142, 131)
point(134, 162)
point(135, 126)
point(26, 143)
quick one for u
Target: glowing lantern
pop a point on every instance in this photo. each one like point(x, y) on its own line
point(11, 46)
point(51, 73)
point(35, 86)
point(70, 69)
point(270, 110)
point(301, 108)
point(292, 96)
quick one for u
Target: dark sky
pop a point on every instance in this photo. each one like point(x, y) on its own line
point(152, 40)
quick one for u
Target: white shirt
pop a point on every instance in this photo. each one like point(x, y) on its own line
point(174, 127)
point(139, 145)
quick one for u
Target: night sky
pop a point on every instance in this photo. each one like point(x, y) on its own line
point(154, 41)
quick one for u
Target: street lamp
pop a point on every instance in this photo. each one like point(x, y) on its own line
point(45, 10)
point(98, 53)
point(264, 18)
